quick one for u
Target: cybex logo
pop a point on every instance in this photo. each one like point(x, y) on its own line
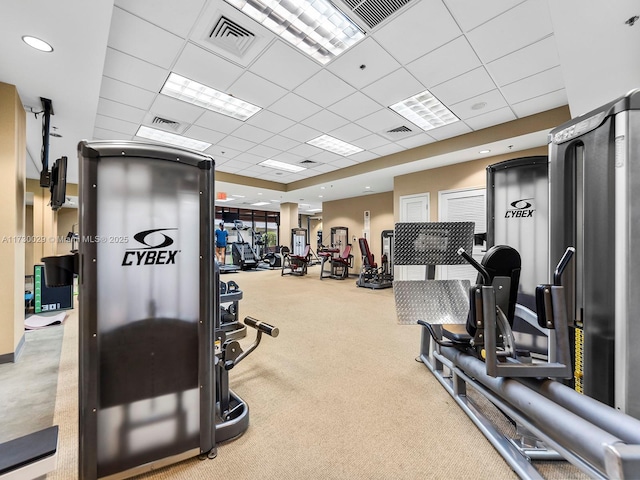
point(153, 252)
point(521, 209)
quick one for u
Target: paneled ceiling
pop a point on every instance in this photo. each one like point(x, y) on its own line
point(489, 62)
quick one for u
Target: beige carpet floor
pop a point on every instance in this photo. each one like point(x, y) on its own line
point(338, 395)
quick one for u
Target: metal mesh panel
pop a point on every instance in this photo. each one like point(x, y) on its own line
point(434, 243)
point(435, 301)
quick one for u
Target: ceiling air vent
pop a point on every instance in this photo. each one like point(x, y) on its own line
point(373, 12)
point(307, 162)
point(232, 37)
point(401, 129)
point(165, 123)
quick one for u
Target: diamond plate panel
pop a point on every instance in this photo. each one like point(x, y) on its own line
point(432, 243)
point(434, 301)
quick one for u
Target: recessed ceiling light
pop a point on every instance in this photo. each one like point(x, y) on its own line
point(367, 188)
point(38, 44)
point(334, 145)
point(322, 188)
point(316, 27)
point(425, 110)
point(484, 151)
point(320, 196)
point(260, 204)
point(282, 166)
point(172, 139)
point(478, 106)
point(198, 94)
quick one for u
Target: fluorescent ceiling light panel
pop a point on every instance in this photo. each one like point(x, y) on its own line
point(334, 145)
point(282, 166)
point(172, 139)
point(425, 111)
point(198, 94)
point(260, 204)
point(316, 27)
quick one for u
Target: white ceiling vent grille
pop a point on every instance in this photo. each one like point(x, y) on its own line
point(166, 124)
point(308, 162)
point(232, 37)
point(373, 12)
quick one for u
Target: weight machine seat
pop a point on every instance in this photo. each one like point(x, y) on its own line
point(368, 259)
point(304, 258)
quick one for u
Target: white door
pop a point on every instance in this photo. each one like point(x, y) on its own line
point(463, 206)
point(413, 208)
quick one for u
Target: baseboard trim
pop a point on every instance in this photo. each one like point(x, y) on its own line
point(13, 356)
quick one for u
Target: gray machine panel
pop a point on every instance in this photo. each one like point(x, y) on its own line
point(434, 301)
point(147, 389)
point(587, 190)
point(432, 243)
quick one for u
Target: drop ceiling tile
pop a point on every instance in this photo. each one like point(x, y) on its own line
point(436, 67)
point(493, 100)
point(256, 90)
point(218, 122)
point(116, 125)
point(471, 13)
point(270, 121)
point(176, 109)
point(387, 149)
point(349, 132)
point(326, 157)
point(416, 141)
point(377, 61)
point(541, 103)
point(465, 86)
point(222, 153)
point(381, 120)
point(124, 93)
point(372, 141)
point(355, 106)
point(280, 143)
point(490, 119)
point(102, 134)
point(408, 37)
point(204, 134)
point(140, 39)
point(251, 133)
point(525, 62)
point(325, 168)
point(448, 131)
point(324, 121)
point(176, 17)
point(324, 89)
point(294, 107)
point(545, 82)
point(288, 158)
point(128, 69)
point(249, 158)
point(284, 66)
point(207, 68)
point(523, 25)
point(363, 156)
point(343, 163)
point(264, 151)
point(113, 109)
point(304, 150)
point(236, 143)
point(300, 133)
point(394, 87)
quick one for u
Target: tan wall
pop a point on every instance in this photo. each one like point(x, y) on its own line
point(350, 213)
point(452, 177)
point(12, 219)
point(67, 218)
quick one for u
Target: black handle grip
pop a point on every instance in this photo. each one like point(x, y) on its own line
point(562, 264)
point(472, 261)
point(262, 326)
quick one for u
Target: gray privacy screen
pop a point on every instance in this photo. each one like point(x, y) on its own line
point(432, 243)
